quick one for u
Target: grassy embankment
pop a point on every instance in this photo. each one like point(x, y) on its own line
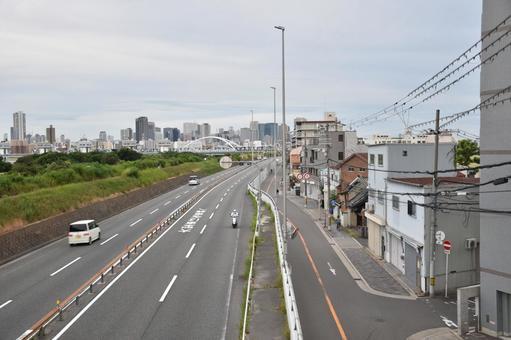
point(26, 207)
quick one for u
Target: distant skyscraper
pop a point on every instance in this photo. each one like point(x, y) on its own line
point(126, 134)
point(205, 130)
point(150, 130)
point(267, 129)
point(50, 134)
point(255, 127)
point(62, 139)
point(102, 135)
point(190, 131)
point(158, 135)
point(141, 128)
point(18, 130)
point(172, 134)
point(244, 134)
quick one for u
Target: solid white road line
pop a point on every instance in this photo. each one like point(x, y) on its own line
point(5, 304)
point(217, 206)
point(211, 216)
point(167, 203)
point(190, 251)
point(22, 336)
point(108, 239)
point(167, 290)
point(121, 274)
point(132, 224)
point(155, 210)
point(203, 228)
point(67, 265)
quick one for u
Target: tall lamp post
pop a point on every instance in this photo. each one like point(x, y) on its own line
point(275, 136)
point(252, 135)
point(284, 174)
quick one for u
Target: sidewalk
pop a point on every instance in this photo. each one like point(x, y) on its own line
point(379, 277)
point(267, 321)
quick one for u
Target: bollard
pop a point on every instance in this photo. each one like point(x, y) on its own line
point(102, 278)
point(90, 289)
point(120, 262)
point(77, 300)
point(112, 270)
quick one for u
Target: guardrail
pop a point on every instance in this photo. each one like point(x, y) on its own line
point(293, 318)
point(108, 271)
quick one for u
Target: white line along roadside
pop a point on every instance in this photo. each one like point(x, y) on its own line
point(132, 224)
point(167, 290)
point(67, 265)
point(190, 251)
point(121, 274)
point(5, 304)
point(107, 240)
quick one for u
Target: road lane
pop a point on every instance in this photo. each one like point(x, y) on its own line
point(200, 288)
point(35, 292)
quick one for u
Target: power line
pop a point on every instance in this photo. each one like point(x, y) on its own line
point(427, 172)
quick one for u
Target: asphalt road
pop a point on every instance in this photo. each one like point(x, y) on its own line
point(332, 306)
point(31, 284)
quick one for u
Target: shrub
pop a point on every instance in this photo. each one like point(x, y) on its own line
point(131, 172)
point(110, 158)
point(5, 166)
point(127, 154)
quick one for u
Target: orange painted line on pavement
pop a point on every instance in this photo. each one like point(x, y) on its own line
point(327, 298)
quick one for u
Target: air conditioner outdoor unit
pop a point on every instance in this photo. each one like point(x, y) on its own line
point(471, 243)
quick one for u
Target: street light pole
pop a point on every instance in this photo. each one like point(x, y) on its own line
point(252, 135)
point(275, 136)
point(284, 174)
point(434, 225)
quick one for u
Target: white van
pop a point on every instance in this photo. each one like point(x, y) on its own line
point(193, 180)
point(85, 231)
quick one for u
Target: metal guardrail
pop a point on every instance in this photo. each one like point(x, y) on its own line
point(108, 271)
point(293, 318)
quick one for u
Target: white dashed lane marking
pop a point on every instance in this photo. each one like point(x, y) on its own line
point(132, 224)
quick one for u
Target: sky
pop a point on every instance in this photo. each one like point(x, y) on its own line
point(86, 66)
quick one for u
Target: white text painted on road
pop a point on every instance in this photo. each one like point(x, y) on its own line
point(203, 228)
point(5, 304)
point(167, 290)
point(67, 265)
point(132, 224)
point(155, 210)
point(190, 251)
point(167, 203)
point(108, 239)
point(190, 224)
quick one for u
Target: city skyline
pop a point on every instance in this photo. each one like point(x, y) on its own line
point(171, 68)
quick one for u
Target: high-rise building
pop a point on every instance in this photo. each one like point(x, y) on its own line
point(267, 129)
point(495, 234)
point(150, 130)
point(190, 131)
point(245, 134)
point(205, 130)
point(254, 126)
point(102, 135)
point(50, 134)
point(141, 128)
point(18, 130)
point(62, 139)
point(126, 134)
point(158, 135)
point(172, 134)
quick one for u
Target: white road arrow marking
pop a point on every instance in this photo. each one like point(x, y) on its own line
point(330, 268)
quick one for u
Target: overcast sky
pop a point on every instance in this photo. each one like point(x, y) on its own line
point(86, 66)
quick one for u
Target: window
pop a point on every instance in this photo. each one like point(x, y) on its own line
point(77, 227)
point(362, 169)
point(350, 168)
point(371, 159)
point(395, 202)
point(412, 208)
point(380, 196)
point(340, 138)
point(340, 156)
point(380, 159)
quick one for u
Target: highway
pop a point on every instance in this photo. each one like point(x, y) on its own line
point(200, 254)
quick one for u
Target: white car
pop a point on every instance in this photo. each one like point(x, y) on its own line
point(193, 180)
point(85, 231)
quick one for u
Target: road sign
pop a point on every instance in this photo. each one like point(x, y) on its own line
point(447, 246)
point(306, 175)
point(225, 162)
point(299, 176)
point(439, 236)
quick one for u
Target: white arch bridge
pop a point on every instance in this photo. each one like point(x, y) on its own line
point(218, 145)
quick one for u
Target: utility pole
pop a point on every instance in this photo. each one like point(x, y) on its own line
point(305, 166)
point(434, 225)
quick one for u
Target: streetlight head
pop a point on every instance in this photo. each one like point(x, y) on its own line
point(273, 87)
point(282, 28)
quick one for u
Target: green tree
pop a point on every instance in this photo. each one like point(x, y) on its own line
point(127, 154)
point(5, 166)
point(465, 150)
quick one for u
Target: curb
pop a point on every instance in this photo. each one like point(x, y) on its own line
point(353, 271)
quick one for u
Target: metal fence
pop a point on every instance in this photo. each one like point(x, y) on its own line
point(293, 318)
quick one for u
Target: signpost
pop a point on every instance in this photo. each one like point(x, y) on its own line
point(299, 176)
point(225, 162)
point(447, 250)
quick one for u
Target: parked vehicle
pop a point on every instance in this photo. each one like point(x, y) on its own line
point(85, 231)
point(193, 180)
